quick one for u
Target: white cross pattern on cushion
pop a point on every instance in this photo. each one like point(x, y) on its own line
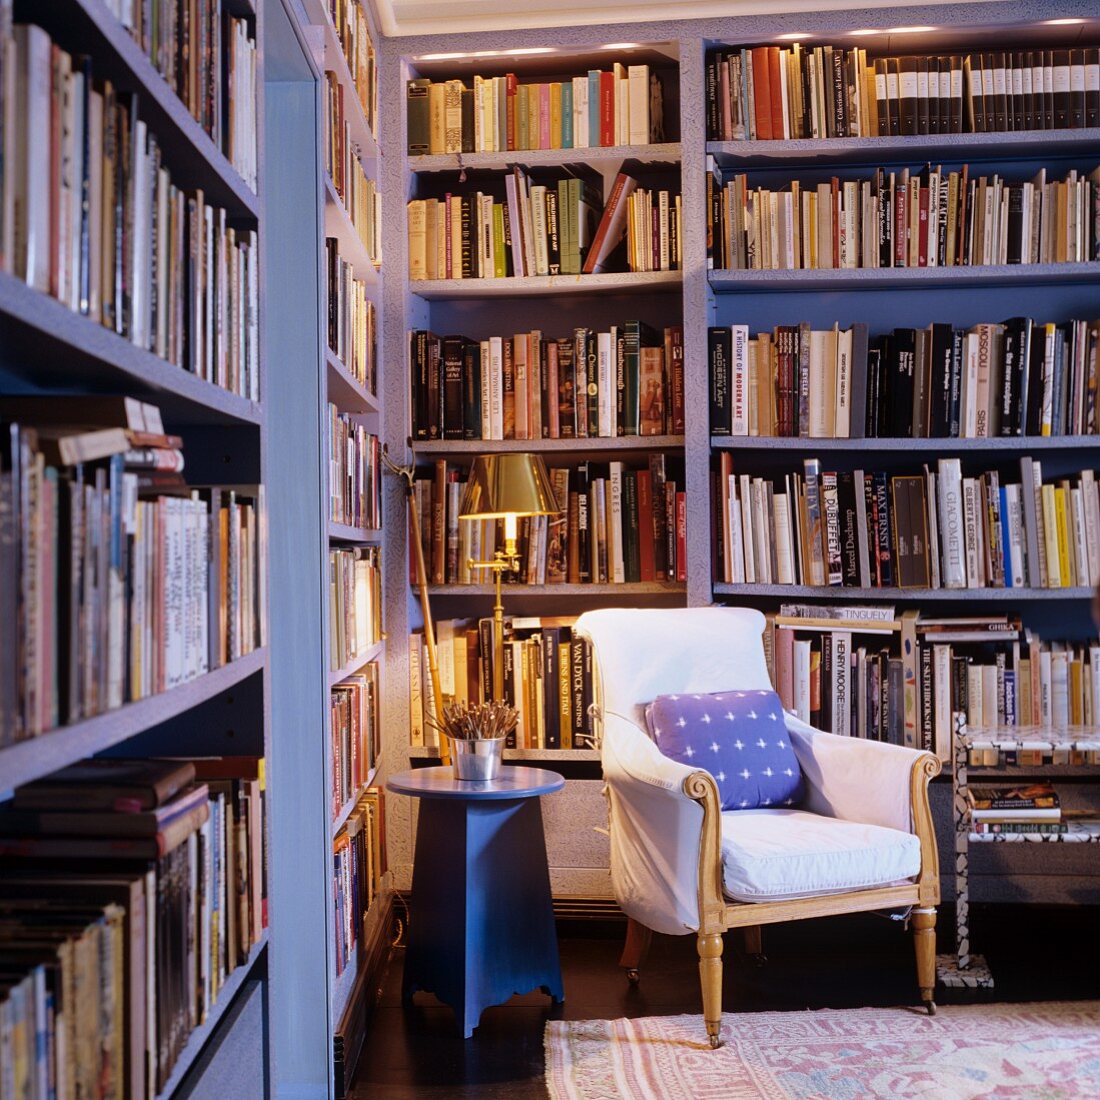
point(745, 774)
point(730, 717)
point(689, 751)
point(705, 718)
point(714, 746)
point(761, 744)
point(739, 744)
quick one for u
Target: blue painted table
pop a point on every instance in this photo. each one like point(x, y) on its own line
point(482, 923)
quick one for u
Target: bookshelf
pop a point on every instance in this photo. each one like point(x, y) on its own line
point(698, 298)
point(48, 349)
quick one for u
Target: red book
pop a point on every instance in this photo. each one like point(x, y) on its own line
point(612, 223)
point(834, 212)
point(646, 549)
point(553, 414)
point(761, 92)
point(681, 537)
point(511, 91)
point(775, 88)
point(607, 108)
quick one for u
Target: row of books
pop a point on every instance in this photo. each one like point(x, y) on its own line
point(101, 226)
point(208, 58)
point(552, 228)
point(925, 218)
point(355, 603)
point(118, 581)
point(626, 381)
point(617, 525)
point(934, 529)
point(131, 890)
point(355, 726)
point(355, 472)
point(623, 106)
point(1018, 377)
point(1029, 747)
point(361, 197)
point(846, 674)
point(1024, 808)
point(349, 19)
point(774, 93)
point(547, 678)
point(358, 864)
point(352, 322)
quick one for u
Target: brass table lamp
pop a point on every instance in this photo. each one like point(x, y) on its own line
point(505, 486)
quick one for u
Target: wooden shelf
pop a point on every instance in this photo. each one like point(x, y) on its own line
point(198, 1038)
point(880, 595)
point(582, 444)
point(1020, 444)
point(27, 760)
point(538, 286)
point(345, 810)
point(726, 281)
point(1031, 145)
point(89, 26)
point(338, 224)
point(356, 663)
point(345, 391)
point(601, 157)
point(649, 588)
point(57, 350)
point(342, 532)
point(427, 752)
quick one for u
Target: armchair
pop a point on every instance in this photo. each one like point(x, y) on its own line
point(862, 839)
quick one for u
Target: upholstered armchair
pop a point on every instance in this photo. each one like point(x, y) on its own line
point(862, 838)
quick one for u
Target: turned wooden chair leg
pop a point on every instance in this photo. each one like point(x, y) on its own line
point(638, 938)
point(710, 977)
point(924, 940)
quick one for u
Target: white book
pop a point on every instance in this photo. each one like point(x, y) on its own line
point(784, 543)
point(735, 536)
point(1059, 686)
point(605, 380)
point(445, 656)
point(496, 387)
point(969, 427)
point(638, 107)
point(941, 712)
point(802, 678)
point(1045, 687)
point(1015, 565)
point(762, 532)
point(821, 345)
point(162, 273)
point(1091, 500)
point(952, 528)
point(1077, 536)
point(747, 522)
point(580, 112)
point(739, 380)
point(840, 643)
point(1093, 684)
point(95, 201)
point(31, 194)
point(973, 527)
point(843, 406)
point(538, 229)
point(616, 566)
point(1031, 478)
point(933, 528)
point(974, 715)
point(486, 393)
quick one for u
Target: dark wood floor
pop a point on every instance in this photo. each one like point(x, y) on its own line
point(1035, 953)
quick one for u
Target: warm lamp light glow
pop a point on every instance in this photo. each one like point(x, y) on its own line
point(524, 51)
point(441, 56)
point(622, 46)
point(910, 30)
point(1062, 22)
point(793, 36)
point(865, 32)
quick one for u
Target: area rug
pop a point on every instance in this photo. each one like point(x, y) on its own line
point(1029, 1051)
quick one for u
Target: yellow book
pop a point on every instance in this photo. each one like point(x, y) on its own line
point(555, 115)
point(565, 698)
point(533, 116)
point(1076, 692)
point(437, 119)
point(1064, 569)
point(418, 239)
point(1050, 534)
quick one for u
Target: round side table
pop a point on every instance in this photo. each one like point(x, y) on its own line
point(481, 926)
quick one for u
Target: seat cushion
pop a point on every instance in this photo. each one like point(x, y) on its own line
point(769, 855)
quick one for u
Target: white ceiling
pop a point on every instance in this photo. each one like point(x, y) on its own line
point(404, 17)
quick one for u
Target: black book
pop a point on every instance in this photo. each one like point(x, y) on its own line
point(1062, 94)
point(1048, 89)
point(551, 665)
point(849, 529)
point(840, 92)
point(903, 348)
point(1017, 356)
point(580, 689)
point(468, 120)
point(419, 116)
point(907, 95)
point(714, 130)
point(1062, 338)
point(941, 358)
point(553, 241)
point(584, 524)
point(719, 356)
point(471, 390)
point(881, 99)
point(1017, 241)
point(885, 220)
point(923, 92)
point(454, 387)
point(657, 492)
point(546, 395)
point(418, 356)
point(1077, 88)
point(900, 488)
point(1027, 62)
point(858, 418)
point(893, 83)
point(619, 351)
point(567, 390)
point(883, 534)
point(468, 237)
point(874, 392)
point(1092, 89)
point(933, 111)
point(593, 398)
point(433, 373)
point(632, 561)
point(1034, 402)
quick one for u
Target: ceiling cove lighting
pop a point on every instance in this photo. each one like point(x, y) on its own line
point(910, 30)
point(441, 56)
point(622, 46)
point(1062, 22)
point(865, 32)
point(527, 50)
point(793, 36)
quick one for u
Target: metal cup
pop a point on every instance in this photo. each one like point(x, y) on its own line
point(477, 760)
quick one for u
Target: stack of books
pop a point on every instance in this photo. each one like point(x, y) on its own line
point(545, 228)
point(355, 718)
point(130, 891)
point(628, 380)
point(353, 31)
point(352, 324)
point(121, 581)
point(772, 93)
point(498, 113)
point(932, 529)
point(355, 603)
point(1024, 809)
point(927, 218)
point(355, 472)
point(91, 216)
point(547, 678)
point(1016, 377)
point(359, 862)
point(617, 525)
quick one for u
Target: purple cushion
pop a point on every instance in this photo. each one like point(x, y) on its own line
point(740, 737)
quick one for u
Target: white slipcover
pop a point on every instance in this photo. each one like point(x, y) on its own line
point(655, 828)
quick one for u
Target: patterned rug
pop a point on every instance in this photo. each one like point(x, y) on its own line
point(1027, 1051)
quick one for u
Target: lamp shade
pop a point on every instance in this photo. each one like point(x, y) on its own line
point(514, 484)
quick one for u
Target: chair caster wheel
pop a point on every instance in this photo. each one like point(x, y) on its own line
point(930, 1006)
point(715, 1041)
point(633, 975)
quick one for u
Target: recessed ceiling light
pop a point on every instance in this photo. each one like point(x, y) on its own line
point(523, 50)
point(865, 32)
point(441, 56)
point(1062, 22)
point(910, 30)
point(793, 36)
point(622, 46)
